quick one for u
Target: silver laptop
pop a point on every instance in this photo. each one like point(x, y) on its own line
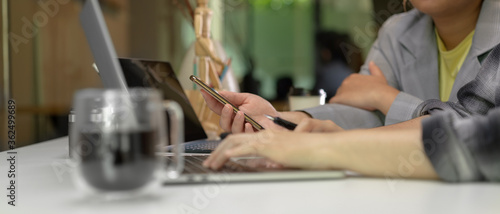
point(125, 73)
point(112, 76)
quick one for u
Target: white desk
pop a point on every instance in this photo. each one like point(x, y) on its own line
point(41, 191)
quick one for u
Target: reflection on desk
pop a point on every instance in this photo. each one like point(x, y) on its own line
point(45, 186)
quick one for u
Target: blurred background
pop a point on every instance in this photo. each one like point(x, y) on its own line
point(274, 44)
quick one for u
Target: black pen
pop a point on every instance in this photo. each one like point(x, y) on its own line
point(284, 123)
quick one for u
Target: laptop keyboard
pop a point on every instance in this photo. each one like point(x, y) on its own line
point(194, 165)
point(201, 146)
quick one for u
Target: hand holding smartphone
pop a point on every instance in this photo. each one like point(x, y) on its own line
point(224, 101)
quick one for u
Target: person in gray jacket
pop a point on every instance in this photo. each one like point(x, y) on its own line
point(457, 143)
point(406, 55)
point(445, 148)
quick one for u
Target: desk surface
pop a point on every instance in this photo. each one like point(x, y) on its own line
point(45, 186)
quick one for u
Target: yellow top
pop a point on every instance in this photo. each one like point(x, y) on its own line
point(450, 62)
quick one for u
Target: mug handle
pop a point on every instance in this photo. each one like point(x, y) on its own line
point(175, 116)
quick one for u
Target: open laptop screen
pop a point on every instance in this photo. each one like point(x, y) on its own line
point(137, 73)
point(160, 75)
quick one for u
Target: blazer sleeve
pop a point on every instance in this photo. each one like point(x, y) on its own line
point(476, 97)
point(346, 117)
point(402, 109)
point(463, 150)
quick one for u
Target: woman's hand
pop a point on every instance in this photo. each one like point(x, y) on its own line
point(315, 125)
point(369, 92)
point(253, 105)
point(289, 149)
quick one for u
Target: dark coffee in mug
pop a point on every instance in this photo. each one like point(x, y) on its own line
point(117, 136)
point(118, 160)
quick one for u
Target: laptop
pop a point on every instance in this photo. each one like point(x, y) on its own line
point(124, 73)
point(160, 75)
point(112, 76)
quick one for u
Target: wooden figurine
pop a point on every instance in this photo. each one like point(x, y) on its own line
point(204, 48)
point(208, 65)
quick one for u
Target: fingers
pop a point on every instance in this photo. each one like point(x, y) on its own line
point(221, 148)
point(226, 118)
point(217, 159)
point(238, 125)
point(262, 163)
point(234, 123)
point(247, 149)
point(375, 70)
point(235, 98)
point(212, 103)
point(233, 146)
point(256, 144)
point(343, 89)
point(249, 128)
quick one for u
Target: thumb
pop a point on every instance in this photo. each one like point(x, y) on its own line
point(375, 70)
point(234, 97)
point(211, 102)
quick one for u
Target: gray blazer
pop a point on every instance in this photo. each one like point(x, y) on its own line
point(406, 51)
point(467, 149)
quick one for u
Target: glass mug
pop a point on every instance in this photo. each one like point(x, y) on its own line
point(117, 137)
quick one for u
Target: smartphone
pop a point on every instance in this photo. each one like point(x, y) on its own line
point(223, 100)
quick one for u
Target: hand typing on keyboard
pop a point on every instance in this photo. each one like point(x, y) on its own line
point(283, 148)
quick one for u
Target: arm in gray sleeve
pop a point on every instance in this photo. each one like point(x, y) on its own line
point(402, 109)
point(347, 117)
point(405, 104)
point(464, 149)
point(386, 53)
